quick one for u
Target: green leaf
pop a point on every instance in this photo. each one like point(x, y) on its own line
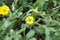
point(30, 34)
point(40, 3)
point(47, 32)
point(33, 39)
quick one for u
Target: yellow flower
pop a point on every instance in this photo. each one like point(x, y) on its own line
point(29, 20)
point(35, 11)
point(4, 10)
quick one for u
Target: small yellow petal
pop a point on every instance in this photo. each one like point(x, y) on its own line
point(29, 20)
point(35, 10)
point(4, 10)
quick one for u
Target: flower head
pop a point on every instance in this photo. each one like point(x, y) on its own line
point(35, 11)
point(4, 10)
point(29, 20)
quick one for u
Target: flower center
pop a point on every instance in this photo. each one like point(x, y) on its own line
point(29, 19)
point(4, 10)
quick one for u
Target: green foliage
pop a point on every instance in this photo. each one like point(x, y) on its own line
point(46, 25)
